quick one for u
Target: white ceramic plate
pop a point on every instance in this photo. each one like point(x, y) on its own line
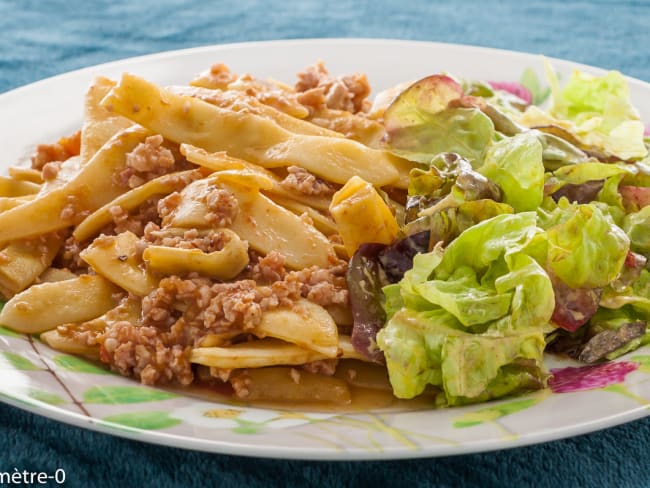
point(67, 389)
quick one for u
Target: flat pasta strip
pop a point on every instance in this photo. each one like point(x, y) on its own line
point(65, 338)
point(353, 126)
point(25, 174)
point(115, 258)
point(220, 161)
point(7, 203)
point(192, 211)
point(68, 344)
point(362, 215)
point(322, 222)
point(266, 352)
point(130, 200)
point(44, 306)
point(23, 261)
point(283, 384)
point(244, 135)
point(254, 354)
point(46, 212)
point(10, 187)
point(99, 124)
point(266, 225)
point(224, 264)
point(52, 275)
point(239, 101)
point(305, 324)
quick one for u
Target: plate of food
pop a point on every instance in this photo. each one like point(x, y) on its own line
point(328, 249)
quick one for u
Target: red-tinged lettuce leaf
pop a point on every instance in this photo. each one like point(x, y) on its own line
point(397, 258)
point(514, 88)
point(425, 97)
point(371, 268)
point(608, 341)
point(447, 184)
point(420, 123)
point(580, 193)
point(634, 197)
point(365, 279)
point(573, 306)
point(465, 131)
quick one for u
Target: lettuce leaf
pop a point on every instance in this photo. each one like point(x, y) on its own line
point(515, 164)
point(600, 112)
point(471, 318)
point(429, 348)
point(473, 365)
point(465, 298)
point(636, 226)
point(637, 295)
point(465, 131)
point(585, 248)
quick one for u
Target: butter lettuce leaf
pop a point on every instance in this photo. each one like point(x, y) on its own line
point(465, 298)
point(637, 226)
point(515, 164)
point(470, 319)
point(473, 365)
point(429, 348)
point(464, 131)
point(586, 249)
point(596, 110)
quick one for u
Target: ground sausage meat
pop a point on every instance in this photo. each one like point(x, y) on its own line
point(134, 221)
point(180, 312)
point(146, 353)
point(223, 207)
point(267, 269)
point(324, 366)
point(148, 160)
point(302, 181)
point(208, 241)
point(70, 256)
point(218, 77)
point(63, 149)
point(319, 89)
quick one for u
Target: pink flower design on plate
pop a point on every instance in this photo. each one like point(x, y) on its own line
point(515, 88)
point(565, 380)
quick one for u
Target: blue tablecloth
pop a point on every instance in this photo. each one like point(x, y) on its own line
point(40, 39)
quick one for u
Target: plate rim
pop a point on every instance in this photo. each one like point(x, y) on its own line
point(248, 449)
point(311, 40)
point(303, 453)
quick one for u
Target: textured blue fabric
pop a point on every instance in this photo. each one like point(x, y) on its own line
point(39, 39)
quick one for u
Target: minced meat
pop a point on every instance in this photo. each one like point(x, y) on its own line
point(302, 181)
point(318, 89)
point(60, 151)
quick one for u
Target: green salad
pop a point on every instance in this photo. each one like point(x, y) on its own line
point(526, 230)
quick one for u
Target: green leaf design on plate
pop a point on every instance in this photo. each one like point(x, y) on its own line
point(9, 333)
point(529, 80)
point(144, 420)
point(644, 363)
point(20, 362)
point(46, 397)
point(491, 414)
point(78, 365)
point(248, 427)
point(125, 394)
point(623, 390)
